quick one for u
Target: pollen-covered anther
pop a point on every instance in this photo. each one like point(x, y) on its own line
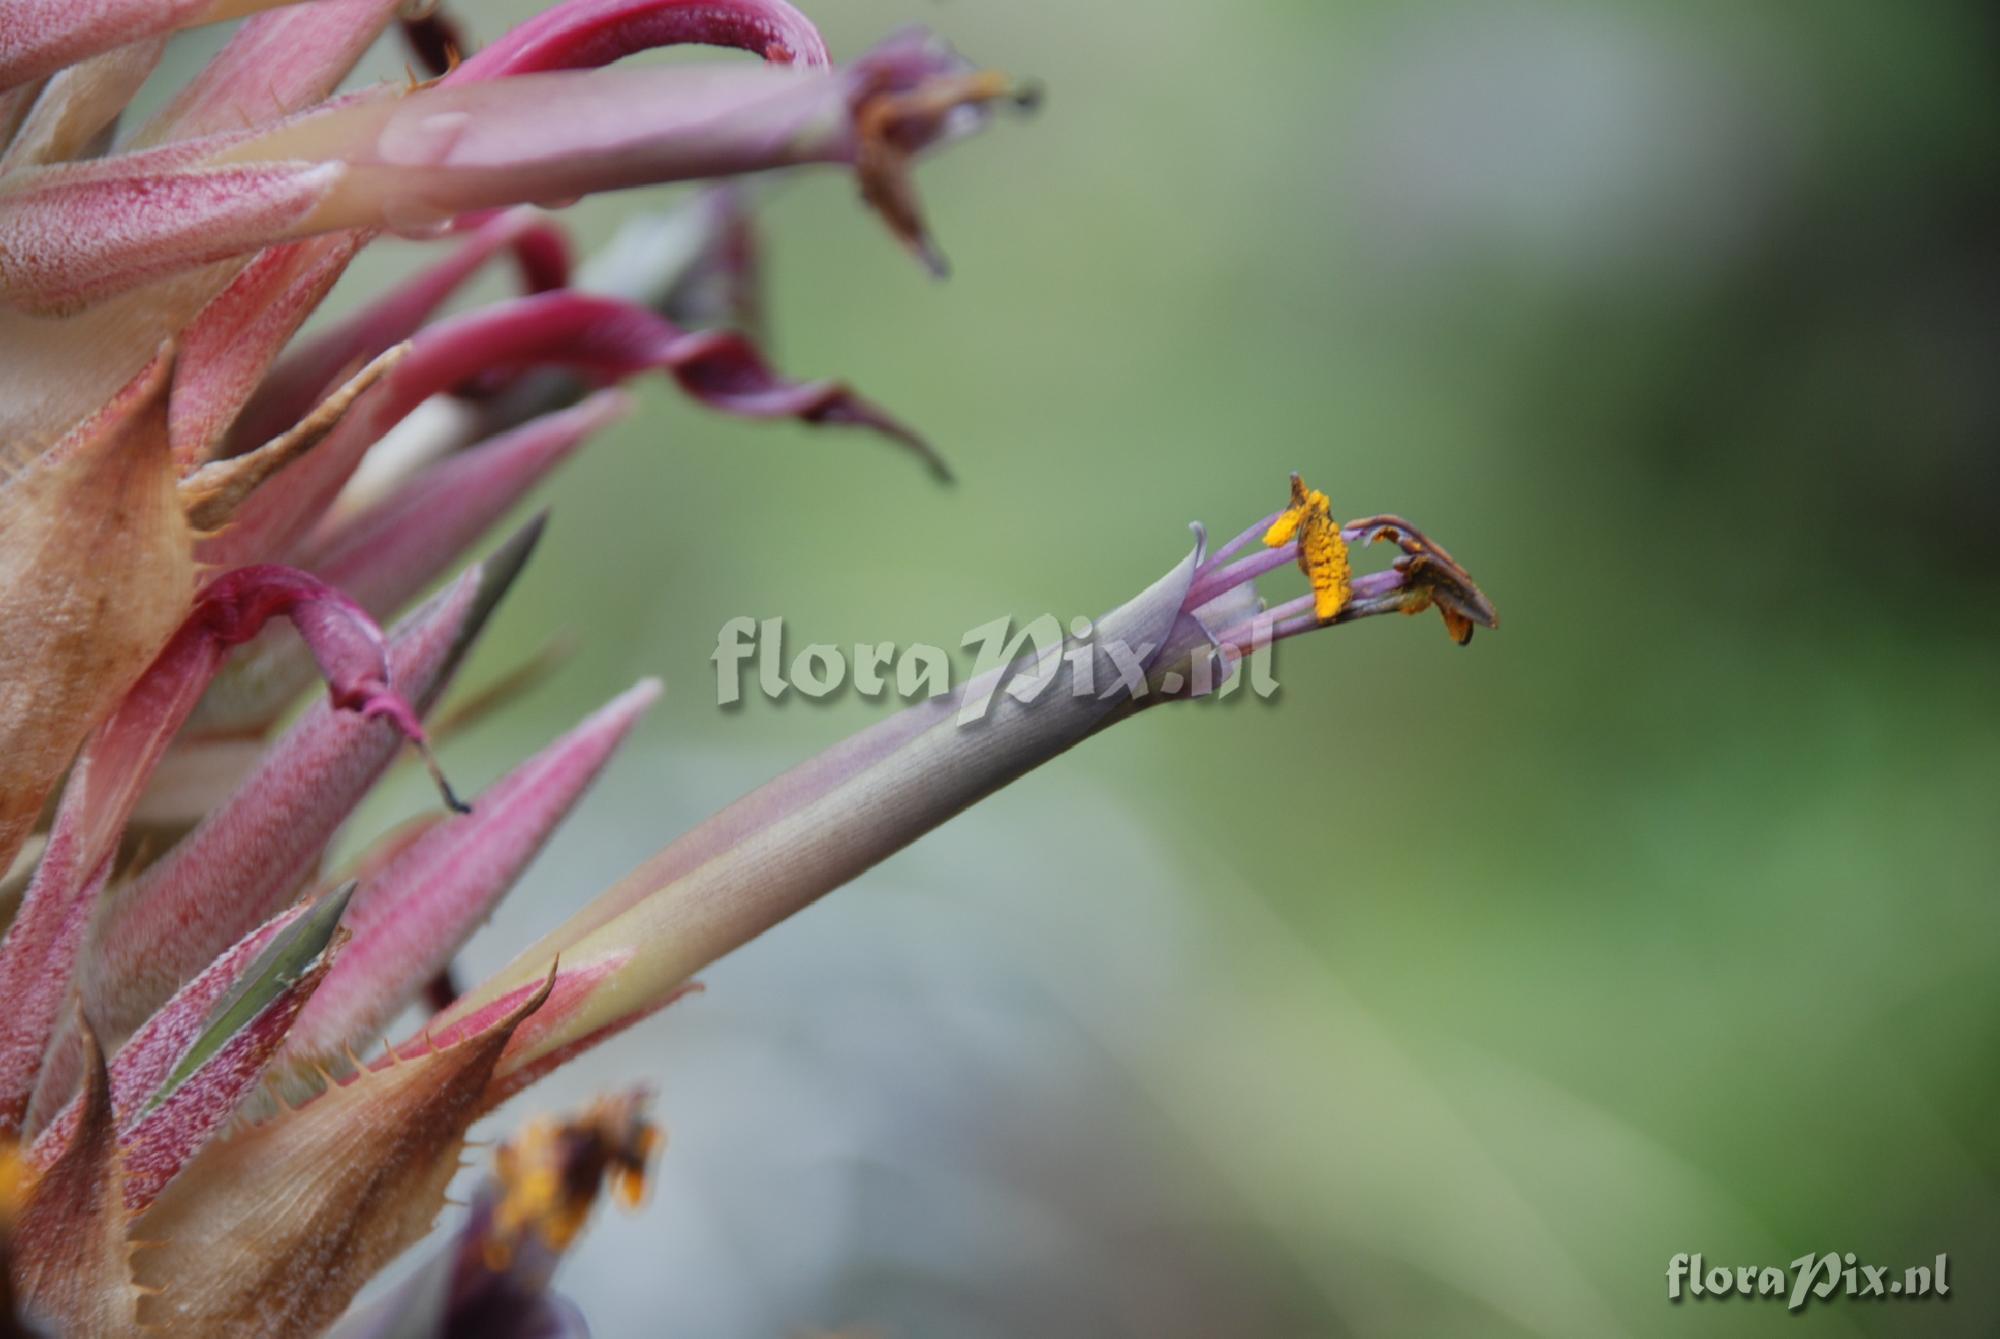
point(1322, 551)
point(550, 1174)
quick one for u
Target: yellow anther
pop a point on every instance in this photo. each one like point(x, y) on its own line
point(1287, 524)
point(551, 1172)
point(1322, 552)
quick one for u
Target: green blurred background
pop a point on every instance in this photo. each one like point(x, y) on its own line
point(1455, 991)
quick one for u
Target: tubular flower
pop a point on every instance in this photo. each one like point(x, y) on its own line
point(775, 851)
point(206, 1126)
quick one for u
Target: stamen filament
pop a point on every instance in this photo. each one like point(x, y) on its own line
point(1224, 579)
point(1374, 593)
point(1217, 558)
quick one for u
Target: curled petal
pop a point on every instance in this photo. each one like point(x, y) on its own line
point(240, 865)
point(610, 339)
point(695, 264)
point(39, 954)
point(231, 344)
point(605, 338)
point(583, 33)
point(264, 680)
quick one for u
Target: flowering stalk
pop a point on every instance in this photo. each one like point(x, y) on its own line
point(199, 1133)
point(773, 852)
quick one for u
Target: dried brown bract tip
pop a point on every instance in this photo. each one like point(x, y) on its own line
point(1432, 577)
point(891, 127)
